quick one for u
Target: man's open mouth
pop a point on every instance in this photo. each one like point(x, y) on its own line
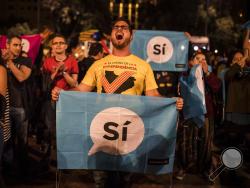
point(119, 36)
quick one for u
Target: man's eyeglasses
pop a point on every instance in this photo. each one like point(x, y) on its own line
point(122, 27)
point(58, 43)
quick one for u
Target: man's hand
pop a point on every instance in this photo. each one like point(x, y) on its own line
point(242, 62)
point(55, 93)
point(61, 67)
point(5, 54)
point(179, 103)
point(204, 67)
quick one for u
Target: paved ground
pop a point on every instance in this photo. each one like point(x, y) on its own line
point(41, 177)
point(82, 179)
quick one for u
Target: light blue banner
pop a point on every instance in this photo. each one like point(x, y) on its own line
point(116, 132)
point(164, 50)
point(193, 93)
point(246, 25)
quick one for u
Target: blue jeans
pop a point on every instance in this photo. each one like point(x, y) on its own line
point(19, 123)
point(1, 146)
point(2, 184)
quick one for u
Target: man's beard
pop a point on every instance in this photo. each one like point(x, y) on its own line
point(118, 45)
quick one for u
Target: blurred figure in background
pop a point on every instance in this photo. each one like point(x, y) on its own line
point(60, 70)
point(19, 70)
point(95, 53)
point(195, 143)
point(5, 129)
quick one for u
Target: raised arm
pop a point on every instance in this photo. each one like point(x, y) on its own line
point(21, 74)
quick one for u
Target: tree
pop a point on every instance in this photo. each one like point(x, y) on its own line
point(73, 16)
point(217, 19)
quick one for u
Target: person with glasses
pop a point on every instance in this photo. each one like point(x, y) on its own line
point(19, 69)
point(63, 68)
point(60, 70)
point(191, 137)
point(122, 73)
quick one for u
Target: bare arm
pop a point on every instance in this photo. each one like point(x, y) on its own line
point(21, 74)
point(3, 81)
point(153, 93)
point(3, 90)
point(81, 87)
point(70, 79)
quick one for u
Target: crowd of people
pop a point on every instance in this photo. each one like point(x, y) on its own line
point(28, 95)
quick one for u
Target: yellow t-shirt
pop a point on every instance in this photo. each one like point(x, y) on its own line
point(123, 75)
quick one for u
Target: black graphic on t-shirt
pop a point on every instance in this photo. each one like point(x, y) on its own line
point(122, 86)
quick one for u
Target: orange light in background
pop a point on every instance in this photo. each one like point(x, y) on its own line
point(130, 11)
point(120, 9)
point(241, 14)
point(136, 15)
point(111, 6)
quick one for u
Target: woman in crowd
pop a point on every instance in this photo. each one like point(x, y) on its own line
point(196, 143)
point(4, 115)
point(237, 100)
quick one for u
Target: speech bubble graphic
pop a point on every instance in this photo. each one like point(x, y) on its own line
point(159, 49)
point(116, 131)
point(25, 45)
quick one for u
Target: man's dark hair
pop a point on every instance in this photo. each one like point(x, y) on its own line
point(58, 35)
point(196, 53)
point(95, 48)
point(232, 53)
point(10, 37)
point(124, 20)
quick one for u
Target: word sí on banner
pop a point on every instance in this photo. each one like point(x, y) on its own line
point(163, 50)
point(116, 132)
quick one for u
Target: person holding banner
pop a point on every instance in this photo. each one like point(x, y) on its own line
point(60, 70)
point(198, 132)
point(121, 73)
point(19, 70)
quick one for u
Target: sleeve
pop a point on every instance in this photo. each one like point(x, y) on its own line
point(90, 77)
point(25, 61)
point(214, 82)
point(150, 82)
point(45, 66)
